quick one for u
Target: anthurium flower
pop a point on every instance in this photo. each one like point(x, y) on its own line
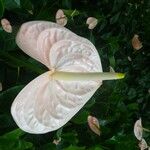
point(61, 19)
point(129, 58)
point(74, 74)
point(136, 42)
point(94, 124)
point(138, 129)
point(91, 22)
point(6, 25)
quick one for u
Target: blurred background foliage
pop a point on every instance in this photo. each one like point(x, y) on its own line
point(117, 104)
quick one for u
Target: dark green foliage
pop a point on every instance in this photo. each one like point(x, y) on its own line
point(117, 104)
point(1, 8)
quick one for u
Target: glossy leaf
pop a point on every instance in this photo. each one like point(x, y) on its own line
point(1, 8)
point(12, 4)
point(74, 148)
point(1, 88)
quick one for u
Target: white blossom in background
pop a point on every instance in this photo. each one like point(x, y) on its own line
point(61, 18)
point(143, 145)
point(94, 124)
point(136, 43)
point(91, 22)
point(138, 129)
point(129, 58)
point(1, 88)
point(6, 25)
point(56, 142)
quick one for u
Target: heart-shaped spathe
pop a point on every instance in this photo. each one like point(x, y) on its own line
point(46, 104)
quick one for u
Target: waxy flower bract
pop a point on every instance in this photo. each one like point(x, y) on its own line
point(46, 104)
point(75, 73)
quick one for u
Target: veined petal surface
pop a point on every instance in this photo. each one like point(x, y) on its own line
point(33, 38)
point(46, 104)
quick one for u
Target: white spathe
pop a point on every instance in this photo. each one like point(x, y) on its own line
point(46, 104)
point(138, 129)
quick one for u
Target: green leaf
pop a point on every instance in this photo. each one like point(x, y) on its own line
point(115, 18)
point(1, 8)
point(70, 137)
point(71, 13)
point(71, 147)
point(7, 144)
point(20, 63)
point(112, 61)
point(48, 146)
point(15, 134)
point(90, 103)
point(66, 4)
point(26, 4)
point(95, 148)
point(12, 141)
point(59, 132)
point(12, 4)
point(81, 117)
point(92, 39)
point(6, 97)
point(17, 2)
point(133, 107)
point(7, 41)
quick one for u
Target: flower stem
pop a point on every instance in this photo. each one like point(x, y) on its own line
point(147, 130)
point(82, 76)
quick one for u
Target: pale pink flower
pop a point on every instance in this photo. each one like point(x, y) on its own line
point(46, 103)
point(74, 74)
point(94, 124)
point(61, 19)
point(91, 22)
point(6, 25)
point(138, 129)
point(137, 45)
